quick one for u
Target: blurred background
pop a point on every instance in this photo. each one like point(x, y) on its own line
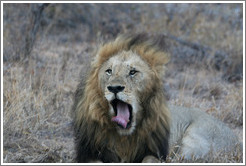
point(46, 48)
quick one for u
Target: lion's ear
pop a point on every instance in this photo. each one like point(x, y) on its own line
point(162, 58)
point(155, 57)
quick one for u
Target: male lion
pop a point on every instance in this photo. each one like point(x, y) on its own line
point(121, 114)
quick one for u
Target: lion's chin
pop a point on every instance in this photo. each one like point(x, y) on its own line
point(123, 117)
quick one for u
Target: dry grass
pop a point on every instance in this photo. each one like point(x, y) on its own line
point(37, 103)
point(38, 92)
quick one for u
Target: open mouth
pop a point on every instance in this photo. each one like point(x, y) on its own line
point(123, 112)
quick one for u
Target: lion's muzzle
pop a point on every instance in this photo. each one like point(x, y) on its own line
point(122, 109)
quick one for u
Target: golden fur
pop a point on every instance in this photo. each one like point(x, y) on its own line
point(95, 132)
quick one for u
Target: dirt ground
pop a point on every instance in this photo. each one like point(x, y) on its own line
point(46, 48)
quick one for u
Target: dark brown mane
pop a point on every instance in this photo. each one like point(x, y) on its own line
point(96, 138)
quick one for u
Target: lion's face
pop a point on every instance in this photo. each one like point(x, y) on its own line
point(123, 80)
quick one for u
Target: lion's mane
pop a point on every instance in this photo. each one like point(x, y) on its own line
point(95, 137)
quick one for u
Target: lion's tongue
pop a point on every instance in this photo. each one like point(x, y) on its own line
point(123, 114)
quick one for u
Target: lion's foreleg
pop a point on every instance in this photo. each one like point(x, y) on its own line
point(150, 159)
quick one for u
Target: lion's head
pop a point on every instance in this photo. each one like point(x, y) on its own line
point(123, 96)
point(124, 79)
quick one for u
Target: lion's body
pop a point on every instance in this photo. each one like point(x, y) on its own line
point(194, 133)
point(120, 112)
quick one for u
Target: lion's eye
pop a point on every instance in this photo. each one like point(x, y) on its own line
point(108, 72)
point(133, 72)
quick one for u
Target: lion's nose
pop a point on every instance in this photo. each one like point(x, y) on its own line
point(115, 89)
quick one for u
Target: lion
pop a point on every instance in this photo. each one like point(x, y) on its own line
point(121, 114)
